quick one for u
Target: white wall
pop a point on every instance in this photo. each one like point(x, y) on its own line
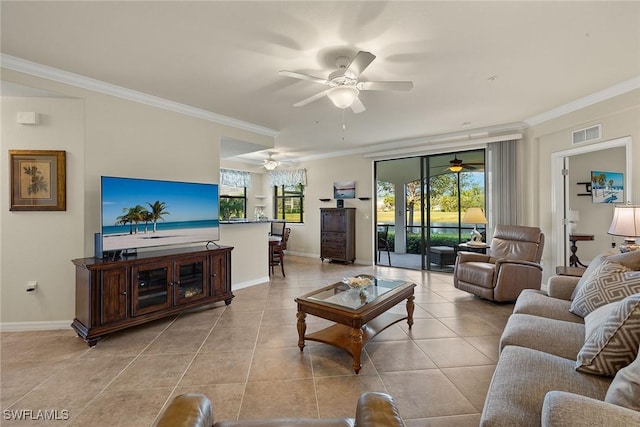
point(39, 245)
point(321, 174)
point(103, 135)
point(619, 116)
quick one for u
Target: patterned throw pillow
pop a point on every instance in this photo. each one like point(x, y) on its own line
point(609, 282)
point(615, 343)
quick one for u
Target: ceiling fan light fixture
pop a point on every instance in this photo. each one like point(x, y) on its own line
point(271, 164)
point(343, 96)
point(455, 168)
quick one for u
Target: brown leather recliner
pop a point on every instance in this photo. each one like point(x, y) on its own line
point(512, 264)
point(195, 410)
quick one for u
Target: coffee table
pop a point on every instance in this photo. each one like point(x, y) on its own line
point(359, 316)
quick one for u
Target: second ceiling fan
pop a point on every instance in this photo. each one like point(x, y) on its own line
point(344, 84)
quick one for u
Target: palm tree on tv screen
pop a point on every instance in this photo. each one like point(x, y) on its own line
point(158, 210)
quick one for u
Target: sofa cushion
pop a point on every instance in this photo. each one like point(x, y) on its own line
point(562, 409)
point(625, 388)
point(537, 303)
point(522, 379)
point(615, 342)
point(609, 282)
point(552, 336)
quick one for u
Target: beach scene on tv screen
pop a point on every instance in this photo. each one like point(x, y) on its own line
point(138, 213)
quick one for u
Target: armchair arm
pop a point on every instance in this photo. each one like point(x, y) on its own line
point(562, 287)
point(502, 261)
point(377, 409)
point(187, 410)
point(565, 409)
point(464, 256)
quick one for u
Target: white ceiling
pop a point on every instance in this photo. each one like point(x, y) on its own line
point(475, 65)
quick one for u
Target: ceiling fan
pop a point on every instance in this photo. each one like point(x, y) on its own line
point(270, 163)
point(457, 165)
point(344, 84)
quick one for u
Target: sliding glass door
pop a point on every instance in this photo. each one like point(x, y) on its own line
point(421, 203)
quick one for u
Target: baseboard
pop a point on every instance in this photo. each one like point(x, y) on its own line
point(249, 283)
point(308, 255)
point(35, 326)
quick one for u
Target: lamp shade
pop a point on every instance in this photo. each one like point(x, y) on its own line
point(474, 216)
point(626, 221)
point(343, 96)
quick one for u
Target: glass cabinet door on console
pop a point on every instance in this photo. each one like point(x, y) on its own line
point(151, 284)
point(189, 281)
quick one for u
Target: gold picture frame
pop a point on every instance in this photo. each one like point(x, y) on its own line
point(38, 180)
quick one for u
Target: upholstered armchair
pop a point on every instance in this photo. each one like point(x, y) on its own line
point(511, 264)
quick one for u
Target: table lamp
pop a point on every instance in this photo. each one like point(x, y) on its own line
point(626, 223)
point(573, 217)
point(475, 216)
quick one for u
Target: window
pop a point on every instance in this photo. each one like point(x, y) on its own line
point(233, 202)
point(288, 202)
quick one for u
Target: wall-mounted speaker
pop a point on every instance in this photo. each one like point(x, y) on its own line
point(97, 245)
point(27, 118)
point(340, 203)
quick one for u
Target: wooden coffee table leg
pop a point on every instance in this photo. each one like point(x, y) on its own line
point(302, 328)
point(356, 348)
point(410, 308)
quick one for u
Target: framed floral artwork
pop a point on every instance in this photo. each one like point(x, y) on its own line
point(38, 180)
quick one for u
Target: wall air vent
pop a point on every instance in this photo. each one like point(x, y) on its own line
point(587, 134)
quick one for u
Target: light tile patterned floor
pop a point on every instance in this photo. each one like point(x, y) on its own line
point(245, 358)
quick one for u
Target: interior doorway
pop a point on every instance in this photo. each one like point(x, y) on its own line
point(573, 206)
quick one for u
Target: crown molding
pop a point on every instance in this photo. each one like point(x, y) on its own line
point(578, 104)
point(77, 80)
point(429, 143)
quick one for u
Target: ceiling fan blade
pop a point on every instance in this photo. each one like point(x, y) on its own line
point(357, 106)
point(359, 63)
point(303, 77)
point(311, 98)
point(385, 85)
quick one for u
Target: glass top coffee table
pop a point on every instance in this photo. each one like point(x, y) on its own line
point(359, 314)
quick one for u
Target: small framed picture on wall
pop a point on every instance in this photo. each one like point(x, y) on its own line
point(607, 187)
point(38, 180)
point(344, 190)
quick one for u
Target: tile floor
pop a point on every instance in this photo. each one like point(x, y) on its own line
point(245, 358)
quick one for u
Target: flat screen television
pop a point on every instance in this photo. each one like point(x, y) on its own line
point(142, 213)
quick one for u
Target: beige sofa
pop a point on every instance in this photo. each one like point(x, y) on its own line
point(195, 410)
point(559, 368)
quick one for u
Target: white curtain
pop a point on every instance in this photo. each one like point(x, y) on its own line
point(288, 178)
point(502, 181)
point(234, 178)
